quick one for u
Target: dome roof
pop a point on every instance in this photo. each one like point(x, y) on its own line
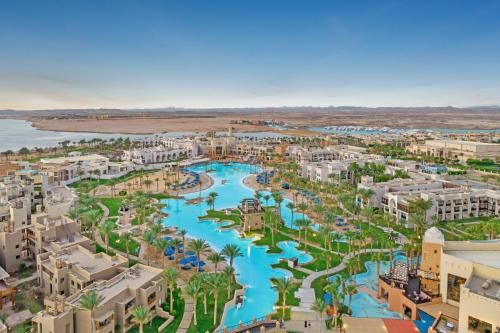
point(434, 235)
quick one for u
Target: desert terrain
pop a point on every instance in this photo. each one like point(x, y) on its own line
point(160, 121)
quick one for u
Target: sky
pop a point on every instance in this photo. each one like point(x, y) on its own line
point(242, 53)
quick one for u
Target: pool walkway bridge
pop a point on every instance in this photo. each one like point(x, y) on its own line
point(262, 324)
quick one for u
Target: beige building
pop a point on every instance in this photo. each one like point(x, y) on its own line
point(53, 234)
point(449, 201)
point(457, 283)
point(460, 150)
point(139, 285)
point(70, 270)
point(16, 195)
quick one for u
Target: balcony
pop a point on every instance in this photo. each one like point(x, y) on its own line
point(151, 298)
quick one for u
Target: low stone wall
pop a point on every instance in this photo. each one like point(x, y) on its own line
point(164, 314)
point(238, 292)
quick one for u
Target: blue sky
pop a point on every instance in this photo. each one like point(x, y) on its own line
point(98, 53)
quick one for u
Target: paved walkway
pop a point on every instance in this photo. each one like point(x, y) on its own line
point(306, 292)
point(188, 310)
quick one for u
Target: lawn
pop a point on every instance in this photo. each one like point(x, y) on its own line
point(94, 182)
point(205, 322)
point(266, 240)
point(152, 327)
point(177, 312)
point(113, 205)
point(222, 216)
point(319, 262)
point(299, 275)
point(22, 328)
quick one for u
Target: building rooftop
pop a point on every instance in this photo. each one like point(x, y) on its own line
point(436, 309)
point(87, 260)
point(485, 287)
point(489, 258)
point(133, 278)
point(71, 159)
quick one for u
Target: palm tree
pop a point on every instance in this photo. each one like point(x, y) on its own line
point(229, 273)
point(283, 285)
point(148, 238)
point(366, 194)
point(107, 228)
point(170, 276)
point(231, 251)
point(148, 182)
point(140, 316)
point(420, 206)
point(291, 206)
point(183, 233)
point(157, 180)
point(161, 244)
point(92, 218)
point(216, 258)
point(326, 255)
point(377, 257)
point(127, 238)
point(419, 222)
point(273, 218)
point(216, 282)
point(337, 237)
point(200, 247)
point(351, 267)
point(303, 224)
point(266, 198)
point(258, 195)
point(278, 199)
point(334, 289)
point(368, 213)
point(210, 202)
point(90, 301)
point(194, 289)
point(351, 291)
point(299, 223)
point(320, 307)
point(213, 195)
point(302, 207)
point(112, 183)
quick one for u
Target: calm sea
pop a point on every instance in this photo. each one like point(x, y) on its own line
point(16, 134)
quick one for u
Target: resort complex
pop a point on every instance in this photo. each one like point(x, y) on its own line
point(220, 232)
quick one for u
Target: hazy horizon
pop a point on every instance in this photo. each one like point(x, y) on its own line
point(258, 54)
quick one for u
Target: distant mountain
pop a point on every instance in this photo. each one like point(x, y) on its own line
point(72, 113)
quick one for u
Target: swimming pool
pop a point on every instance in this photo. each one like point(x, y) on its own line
point(363, 304)
point(254, 268)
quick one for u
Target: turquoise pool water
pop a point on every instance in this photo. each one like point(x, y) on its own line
point(363, 304)
point(253, 269)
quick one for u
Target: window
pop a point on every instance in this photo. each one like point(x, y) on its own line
point(477, 325)
point(454, 283)
point(18, 256)
point(17, 246)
